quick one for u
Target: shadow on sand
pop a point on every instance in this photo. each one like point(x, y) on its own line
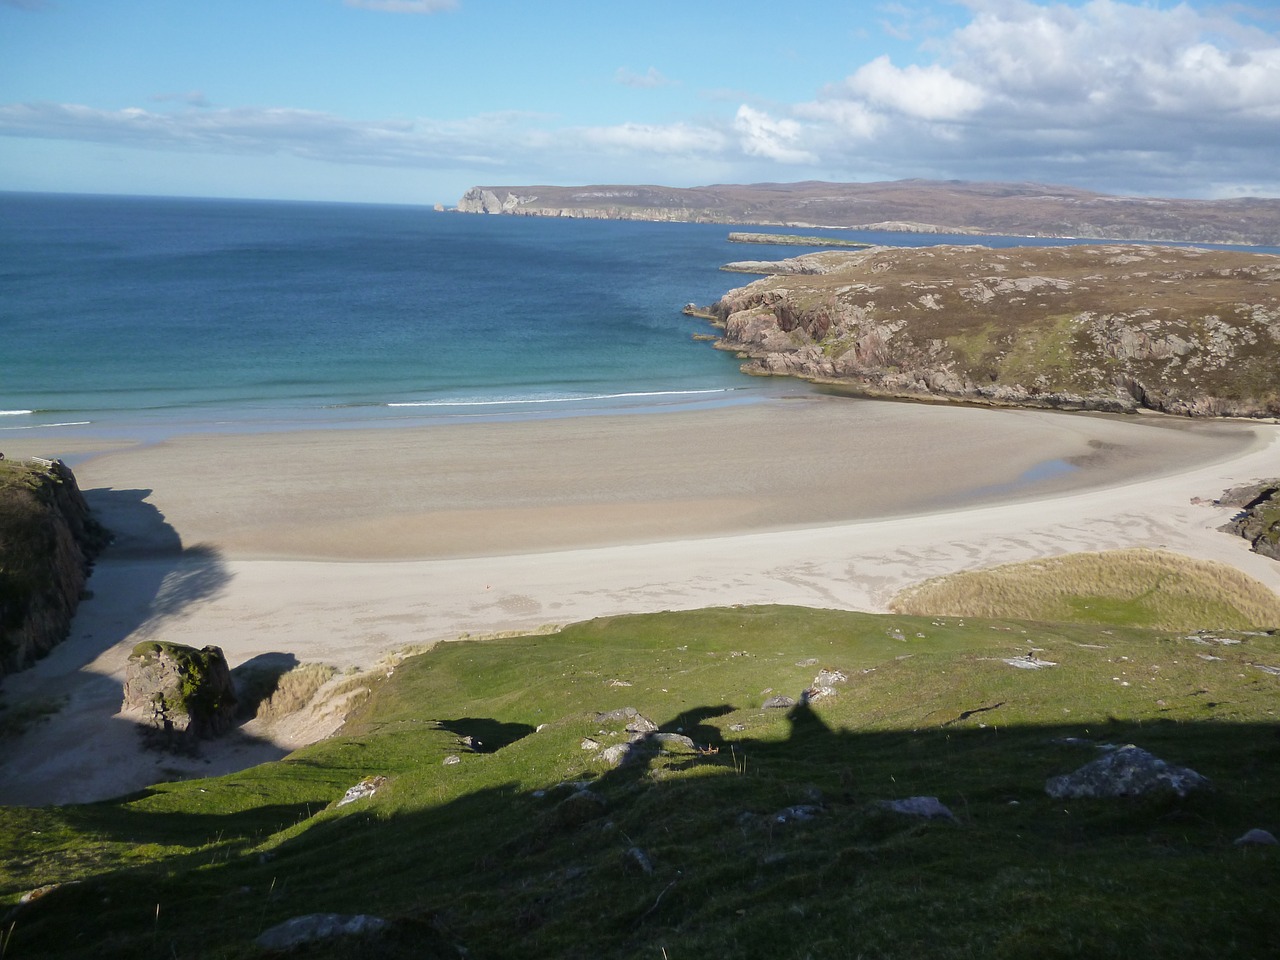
point(144, 579)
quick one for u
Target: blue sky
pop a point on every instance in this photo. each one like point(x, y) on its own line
point(414, 101)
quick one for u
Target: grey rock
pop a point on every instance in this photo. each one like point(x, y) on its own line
point(641, 724)
point(1126, 771)
point(642, 746)
point(363, 790)
point(180, 692)
point(827, 678)
point(450, 760)
point(589, 744)
point(798, 813)
point(640, 859)
point(928, 807)
point(668, 740)
point(1258, 836)
point(318, 926)
point(778, 703)
point(1029, 662)
point(619, 754)
point(621, 715)
point(632, 719)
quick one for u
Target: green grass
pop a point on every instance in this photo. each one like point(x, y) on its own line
point(1141, 588)
point(482, 854)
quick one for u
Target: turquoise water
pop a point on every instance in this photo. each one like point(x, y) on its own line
point(191, 313)
point(122, 314)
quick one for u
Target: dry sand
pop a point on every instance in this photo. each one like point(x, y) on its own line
point(345, 546)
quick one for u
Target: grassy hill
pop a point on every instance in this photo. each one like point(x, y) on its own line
point(1179, 330)
point(767, 837)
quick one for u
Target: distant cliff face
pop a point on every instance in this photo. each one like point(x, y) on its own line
point(1116, 328)
point(921, 206)
point(47, 540)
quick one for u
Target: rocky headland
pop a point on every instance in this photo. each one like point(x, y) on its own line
point(1113, 328)
point(48, 539)
point(914, 206)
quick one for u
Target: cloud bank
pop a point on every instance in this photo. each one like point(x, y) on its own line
point(1111, 95)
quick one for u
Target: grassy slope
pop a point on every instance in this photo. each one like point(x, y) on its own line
point(1139, 588)
point(483, 854)
point(1183, 324)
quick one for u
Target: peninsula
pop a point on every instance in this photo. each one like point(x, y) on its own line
point(1112, 327)
point(914, 206)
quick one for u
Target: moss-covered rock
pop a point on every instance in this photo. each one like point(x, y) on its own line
point(48, 540)
point(181, 693)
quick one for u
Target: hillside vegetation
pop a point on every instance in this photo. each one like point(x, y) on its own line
point(498, 829)
point(1140, 588)
point(1117, 328)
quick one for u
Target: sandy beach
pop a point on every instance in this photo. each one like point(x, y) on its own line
point(345, 546)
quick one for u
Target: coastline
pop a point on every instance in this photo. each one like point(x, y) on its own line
point(346, 546)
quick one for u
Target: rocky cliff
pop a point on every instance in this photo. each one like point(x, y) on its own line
point(919, 206)
point(1112, 327)
point(47, 541)
point(1259, 518)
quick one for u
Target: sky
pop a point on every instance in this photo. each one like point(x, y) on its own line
point(414, 101)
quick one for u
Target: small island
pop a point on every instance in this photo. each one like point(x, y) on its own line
point(791, 240)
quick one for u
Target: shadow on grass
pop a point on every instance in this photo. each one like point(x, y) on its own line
point(703, 854)
point(481, 735)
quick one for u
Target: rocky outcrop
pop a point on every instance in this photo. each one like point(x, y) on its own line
point(1112, 328)
point(178, 692)
point(48, 540)
point(1259, 518)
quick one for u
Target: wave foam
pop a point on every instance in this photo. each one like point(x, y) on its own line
point(502, 402)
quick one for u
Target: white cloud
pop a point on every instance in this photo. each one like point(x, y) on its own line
point(1104, 92)
point(1115, 95)
point(761, 135)
point(930, 93)
point(647, 80)
point(483, 140)
point(404, 6)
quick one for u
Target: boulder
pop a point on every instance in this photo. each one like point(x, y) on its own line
point(318, 926)
point(1126, 771)
point(931, 808)
point(1259, 836)
point(180, 692)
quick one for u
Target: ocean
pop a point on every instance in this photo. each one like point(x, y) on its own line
point(131, 316)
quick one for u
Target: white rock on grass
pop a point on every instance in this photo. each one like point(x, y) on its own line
point(318, 926)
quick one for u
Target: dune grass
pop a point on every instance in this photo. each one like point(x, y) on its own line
point(684, 855)
point(1141, 588)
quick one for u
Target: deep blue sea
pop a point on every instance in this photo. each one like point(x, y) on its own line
point(121, 315)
